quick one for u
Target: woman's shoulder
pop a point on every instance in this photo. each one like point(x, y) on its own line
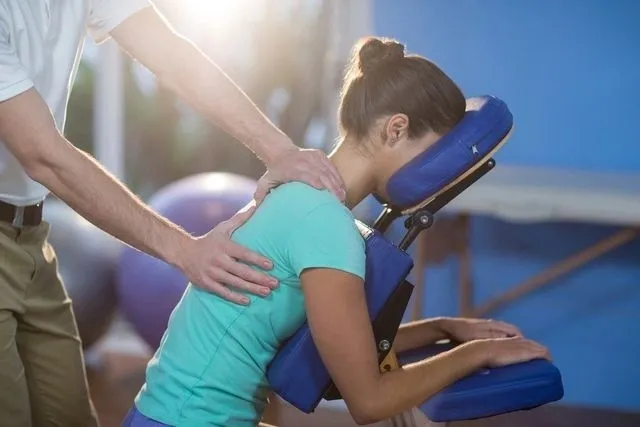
point(300, 199)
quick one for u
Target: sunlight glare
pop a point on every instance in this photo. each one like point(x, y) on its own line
point(213, 13)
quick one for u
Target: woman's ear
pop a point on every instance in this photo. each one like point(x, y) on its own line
point(396, 129)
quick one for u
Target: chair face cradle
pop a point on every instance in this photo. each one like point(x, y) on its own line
point(420, 189)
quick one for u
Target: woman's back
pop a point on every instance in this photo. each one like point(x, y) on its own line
point(210, 366)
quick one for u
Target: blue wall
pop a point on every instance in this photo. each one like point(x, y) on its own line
point(570, 72)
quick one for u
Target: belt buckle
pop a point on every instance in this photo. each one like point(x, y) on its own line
point(18, 217)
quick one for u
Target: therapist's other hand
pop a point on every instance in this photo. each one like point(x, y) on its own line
point(312, 167)
point(463, 329)
point(217, 264)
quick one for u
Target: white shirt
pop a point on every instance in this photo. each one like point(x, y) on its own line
point(41, 44)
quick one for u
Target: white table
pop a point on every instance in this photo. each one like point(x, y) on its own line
point(528, 194)
point(540, 194)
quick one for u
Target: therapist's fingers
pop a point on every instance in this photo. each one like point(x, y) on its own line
point(241, 253)
point(228, 278)
point(224, 292)
point(235, 283)
point(310, 166)
point(315, 179)
point(250, 275)
point(320, 179)
point(328, 175)
point(331, 173)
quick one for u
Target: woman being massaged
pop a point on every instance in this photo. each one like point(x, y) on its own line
point(210, 368)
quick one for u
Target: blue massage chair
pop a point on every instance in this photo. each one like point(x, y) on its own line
point(418, 191)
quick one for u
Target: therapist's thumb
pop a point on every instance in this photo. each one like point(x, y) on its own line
point(261, 192)
point(239, 218)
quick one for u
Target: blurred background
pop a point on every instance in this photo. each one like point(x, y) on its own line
point(565, 199)
point(286, 55)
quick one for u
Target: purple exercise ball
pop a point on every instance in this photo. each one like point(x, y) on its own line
point(149, 289)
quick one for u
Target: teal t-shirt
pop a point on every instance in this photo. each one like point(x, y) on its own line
point(210, 368)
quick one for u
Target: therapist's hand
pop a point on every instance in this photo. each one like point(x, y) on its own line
point(312, 167)
point(466, 329)
point(215, 263)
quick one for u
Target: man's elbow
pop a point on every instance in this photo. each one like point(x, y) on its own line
point(35, 165)
point(39, 164)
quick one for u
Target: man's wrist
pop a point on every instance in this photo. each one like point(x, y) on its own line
point(177, 249)
point(270, 151)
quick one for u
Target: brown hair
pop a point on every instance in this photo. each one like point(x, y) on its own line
point(381, 80)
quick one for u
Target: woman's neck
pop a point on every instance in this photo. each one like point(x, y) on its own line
point(356, 171)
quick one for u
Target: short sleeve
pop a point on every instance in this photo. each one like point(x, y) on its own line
point(14, 78)
point(327, 237)
point(105, 15)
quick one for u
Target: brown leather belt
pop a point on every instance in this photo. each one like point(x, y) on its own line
point(20, 216)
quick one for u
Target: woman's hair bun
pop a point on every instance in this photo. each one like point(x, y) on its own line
point(376, 52)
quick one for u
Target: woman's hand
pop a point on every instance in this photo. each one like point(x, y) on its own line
point(498, 352)
point(463, 329)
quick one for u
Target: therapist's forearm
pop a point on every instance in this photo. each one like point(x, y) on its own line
point(202, 84)
point(76, 178)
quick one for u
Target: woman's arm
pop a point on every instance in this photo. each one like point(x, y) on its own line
point(341, 329)
point(429, 331)
point(420, 333)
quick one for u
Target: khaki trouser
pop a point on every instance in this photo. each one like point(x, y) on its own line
point(42, 376)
